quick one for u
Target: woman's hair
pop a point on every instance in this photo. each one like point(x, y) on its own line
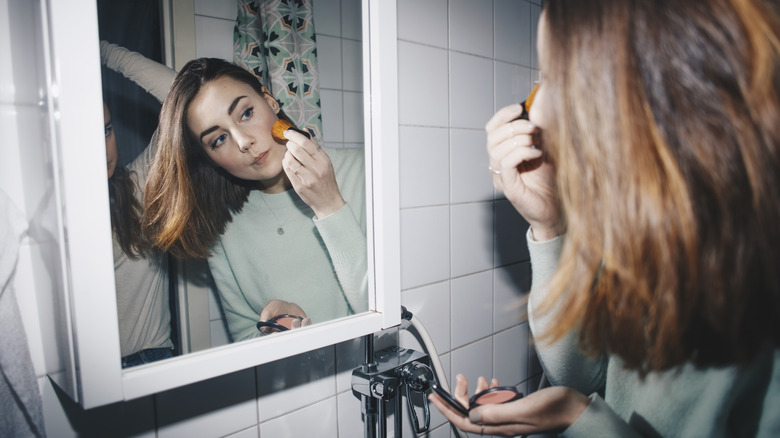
point(189, 200)
point(666, 143)
point(126, 214)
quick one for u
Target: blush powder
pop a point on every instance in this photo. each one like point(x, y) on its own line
point(495, 396)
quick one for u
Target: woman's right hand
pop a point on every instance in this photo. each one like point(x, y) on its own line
point(521, 171)
point(548, 410)
point(275, 308)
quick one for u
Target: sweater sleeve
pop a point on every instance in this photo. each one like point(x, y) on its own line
point(562, 360)
point(150, 75)
point(600, 420)
point(240, 315)
point(346, 245)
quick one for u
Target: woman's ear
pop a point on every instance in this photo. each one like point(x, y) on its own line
point(272, 102)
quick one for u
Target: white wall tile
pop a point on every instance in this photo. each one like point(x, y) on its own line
point(472, 308)
point(349, 355)
point(215, 407)
point(332, 102)
point(354, 127)
point(471, 91)
point(473, 361)
point(471, 27)
point(19, 42)
point(536, 11)
point(292, 383)
point(472, 238)
point(510, 356)
point(327, 14)
point(423, 22)
point(214, 37)
point(511, 285)
point(512, 34)
point(226, 9)
point(422, 85)
point(251, 432)
point(351, 19)
point(430, 305)
point(424, 166)
point(471, 180)
point(329, 61)
point(64, 418)
point(425, 246)
point(510, 230)
point(513, 83)
point(349, 416)
point(318, 419)
point(352, 58)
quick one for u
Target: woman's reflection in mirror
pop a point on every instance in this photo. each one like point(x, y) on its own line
point(276, 221)
point(141, 271)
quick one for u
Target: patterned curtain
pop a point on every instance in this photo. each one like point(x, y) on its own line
point(275, 39)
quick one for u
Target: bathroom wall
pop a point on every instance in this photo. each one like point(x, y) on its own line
point(464, 262)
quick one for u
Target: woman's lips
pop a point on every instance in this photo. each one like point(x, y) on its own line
point(261, 159)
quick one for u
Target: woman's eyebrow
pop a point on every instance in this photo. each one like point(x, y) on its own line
point(231, 108)
point(234, 104)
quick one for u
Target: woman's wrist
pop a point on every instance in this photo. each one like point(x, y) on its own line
point(542, 233)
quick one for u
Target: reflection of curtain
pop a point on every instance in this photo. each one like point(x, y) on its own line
point(275, 39)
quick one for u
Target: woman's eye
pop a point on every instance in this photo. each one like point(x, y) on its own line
point(248, 113)
point(218, 141)
point(107, 130)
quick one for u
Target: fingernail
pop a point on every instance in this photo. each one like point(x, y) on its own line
point(475, 416)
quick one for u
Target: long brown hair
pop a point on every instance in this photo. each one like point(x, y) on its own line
point(125, 212)
point(666, 142)
point(189, 200)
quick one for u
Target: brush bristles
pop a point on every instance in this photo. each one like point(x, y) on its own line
point(278, 130)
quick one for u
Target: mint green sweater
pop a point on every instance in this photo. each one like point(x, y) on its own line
point(318, 264)
point(689, 402)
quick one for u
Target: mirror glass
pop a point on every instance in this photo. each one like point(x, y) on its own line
point(171, 306)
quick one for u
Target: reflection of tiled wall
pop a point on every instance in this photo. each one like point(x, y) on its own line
point(464, 259)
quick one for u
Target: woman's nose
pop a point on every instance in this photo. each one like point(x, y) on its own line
point(244, 141)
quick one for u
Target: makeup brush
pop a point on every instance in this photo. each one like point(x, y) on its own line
point(277, 131)
point(528, 101)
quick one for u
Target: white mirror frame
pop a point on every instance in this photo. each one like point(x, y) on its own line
point(93, 375)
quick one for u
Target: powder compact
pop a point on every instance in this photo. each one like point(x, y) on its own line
point(492, 396)
point(495, 396)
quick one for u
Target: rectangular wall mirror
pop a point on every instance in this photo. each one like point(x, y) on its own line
point(88, 342)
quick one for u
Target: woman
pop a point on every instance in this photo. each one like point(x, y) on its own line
point(653, 197)
point(141, 272)
point(276, 221)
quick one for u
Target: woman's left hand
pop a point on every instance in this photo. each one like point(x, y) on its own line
point(311, 173)
point(547, 410)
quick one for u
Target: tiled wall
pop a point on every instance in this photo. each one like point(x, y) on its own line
point(464, 262)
